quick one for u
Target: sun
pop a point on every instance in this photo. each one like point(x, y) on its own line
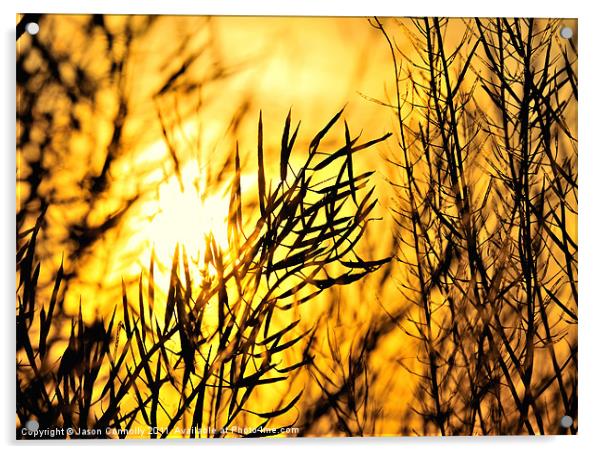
point(179, 210)
point(184, 215)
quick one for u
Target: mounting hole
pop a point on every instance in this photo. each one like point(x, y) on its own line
point(566, 32)
point(32, 425)
point(32, 28)
point(566, 422)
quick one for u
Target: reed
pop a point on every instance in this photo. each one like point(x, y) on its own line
point(113, 373)
point(487, 165)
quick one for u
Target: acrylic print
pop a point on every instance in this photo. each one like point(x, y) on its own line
point(295, 227)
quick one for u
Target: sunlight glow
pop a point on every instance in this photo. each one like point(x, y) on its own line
point(185, 217)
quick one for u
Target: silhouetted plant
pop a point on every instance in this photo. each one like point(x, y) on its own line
point(212, 348)
point(483, 208)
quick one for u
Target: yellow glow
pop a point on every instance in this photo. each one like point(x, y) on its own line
point(185, 217)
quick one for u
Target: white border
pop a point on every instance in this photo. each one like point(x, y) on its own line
point(590, 225)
